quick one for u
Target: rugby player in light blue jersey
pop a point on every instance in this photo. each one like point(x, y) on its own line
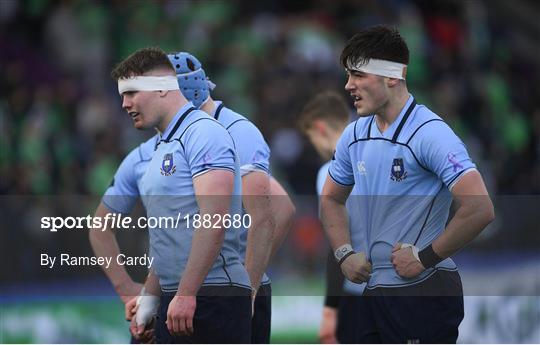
point(401, 165)
point(123, 192)
point(194, 170)
point(264, 199)
point(322, 120)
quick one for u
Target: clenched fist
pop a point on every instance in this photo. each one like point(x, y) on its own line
point(405, 261)
point(356, 268)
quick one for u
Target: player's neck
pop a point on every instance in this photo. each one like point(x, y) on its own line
point(209, 106)
point(391, 110)
point(175, 103)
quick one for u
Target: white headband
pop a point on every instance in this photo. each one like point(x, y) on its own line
point(384, 68)
point(147, 83)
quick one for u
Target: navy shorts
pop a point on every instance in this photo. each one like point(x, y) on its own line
point(262, 318)
point(427, 312)
point(222, 315)
point(354, 322)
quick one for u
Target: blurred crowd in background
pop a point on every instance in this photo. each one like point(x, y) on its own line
point(476, 63)
point(63, 131)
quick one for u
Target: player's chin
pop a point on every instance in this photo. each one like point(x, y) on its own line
point(138, 124)
point(362, 111)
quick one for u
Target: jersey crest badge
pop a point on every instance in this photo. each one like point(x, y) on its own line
point(167, 166)
point(398, 172)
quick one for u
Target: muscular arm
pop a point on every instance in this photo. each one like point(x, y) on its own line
point(283, 210)
point(104, 244)
point(474, 212)
point(335, 222)
point(257, 201)
point(213, 191)
point(334, 214)
point(151, 285)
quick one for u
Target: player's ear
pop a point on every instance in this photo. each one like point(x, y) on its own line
point(391, 82)
point(320, 126)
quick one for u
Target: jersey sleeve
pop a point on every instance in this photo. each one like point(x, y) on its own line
point(443, 152)
point(208, 146)
point(251, 147)
point(123, 191)
point(340, 169)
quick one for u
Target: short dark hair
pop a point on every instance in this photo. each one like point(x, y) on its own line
point(328, 106)
point(140, 62)
point(377, 42)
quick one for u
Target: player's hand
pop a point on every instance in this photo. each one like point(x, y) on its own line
point(129, 290)
point(356, 268)
point(147, 306)
point(180, 315)
point(131, 308)
point(142, 333)
point(327, 332)
point(404, 261)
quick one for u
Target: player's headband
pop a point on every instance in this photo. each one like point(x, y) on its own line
point(147, 83)
point(383, 68)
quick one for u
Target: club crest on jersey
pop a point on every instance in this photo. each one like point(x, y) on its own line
point(398, 172)
point(167, 166)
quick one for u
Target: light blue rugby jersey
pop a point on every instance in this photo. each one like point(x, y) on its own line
point(401, 185)
point(252, 150)
point(348, 286)
point(124, 190)
point(192, 144)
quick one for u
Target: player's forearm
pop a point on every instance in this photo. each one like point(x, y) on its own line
point(151, 285)
point(335, 221)
point(283, 218)
point(474, 213)
point(104, 244)
point(259, 235)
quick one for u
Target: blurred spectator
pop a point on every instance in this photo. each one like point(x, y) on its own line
point(266, 58)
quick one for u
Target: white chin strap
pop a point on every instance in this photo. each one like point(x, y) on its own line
point(147, 83)
point(383, 68)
